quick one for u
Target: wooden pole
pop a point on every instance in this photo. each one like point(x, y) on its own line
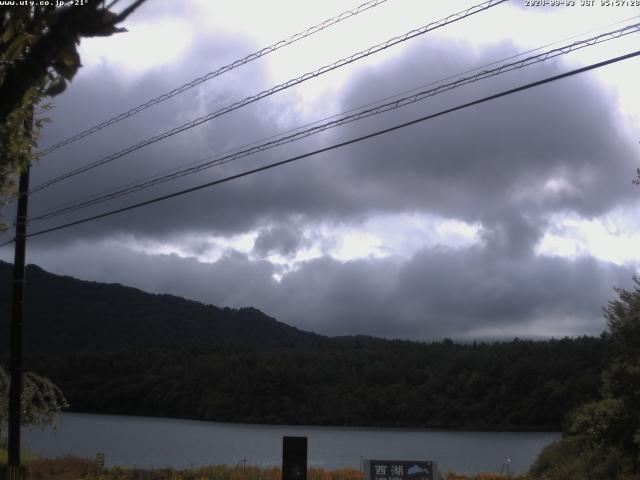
point(17, 314)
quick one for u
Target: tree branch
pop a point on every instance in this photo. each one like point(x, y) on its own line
point(71, 24)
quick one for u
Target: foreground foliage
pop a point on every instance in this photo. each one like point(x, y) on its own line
point(41, 402)
point(38, 57)
point(73, 468)
point(601, 439)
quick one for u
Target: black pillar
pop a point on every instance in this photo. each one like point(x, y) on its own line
point(294, 458)
point(17, 303)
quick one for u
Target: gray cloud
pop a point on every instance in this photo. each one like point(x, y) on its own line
point(282, 240)
point(471, 291)
point(489, 163)
point(438, 292)
point(506, 165)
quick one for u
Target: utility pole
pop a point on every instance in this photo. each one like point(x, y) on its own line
point(17, 314)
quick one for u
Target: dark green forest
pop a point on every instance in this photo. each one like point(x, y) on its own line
point(115, 349)
point(520, 385)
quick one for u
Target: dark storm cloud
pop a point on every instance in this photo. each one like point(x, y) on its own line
point(477, 161)
point(472, 290)
point(495, 163)
point(511, 233)
point(97, 94)
point(462, 293)
point(438, 292)
point(281, 240)
point(489, 163)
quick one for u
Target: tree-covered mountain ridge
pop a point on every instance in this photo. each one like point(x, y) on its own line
point(115, 349)
point(66, 314)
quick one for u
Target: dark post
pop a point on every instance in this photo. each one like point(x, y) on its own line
point(17, 301)
point(294, 458)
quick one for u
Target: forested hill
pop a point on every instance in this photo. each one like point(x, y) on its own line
point(518, 385)
point(114, 349)
point(66, 314)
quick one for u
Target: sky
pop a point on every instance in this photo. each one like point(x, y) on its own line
point(513, 218)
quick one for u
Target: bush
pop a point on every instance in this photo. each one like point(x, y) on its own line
point(560, 461)
point(568, 459)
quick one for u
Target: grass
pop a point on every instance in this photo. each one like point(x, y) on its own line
point(74, 468)
point(26, 456)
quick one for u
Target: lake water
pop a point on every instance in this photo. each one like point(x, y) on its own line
point(159, 442)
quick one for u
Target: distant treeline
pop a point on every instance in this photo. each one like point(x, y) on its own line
point(517, 385)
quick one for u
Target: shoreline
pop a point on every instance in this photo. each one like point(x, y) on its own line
point(265, 424)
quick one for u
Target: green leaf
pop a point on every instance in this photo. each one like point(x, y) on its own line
point(8, 33)
point(16, 47)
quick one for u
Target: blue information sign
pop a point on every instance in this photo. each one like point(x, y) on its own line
point(401, 470)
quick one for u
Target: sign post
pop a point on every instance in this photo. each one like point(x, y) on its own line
point(100, 461)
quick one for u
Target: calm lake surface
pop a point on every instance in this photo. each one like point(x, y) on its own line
point(157, 442)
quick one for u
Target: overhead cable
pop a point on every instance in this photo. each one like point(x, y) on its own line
point(339, 145)
point(342, 120)
point(210, 75)
point(283, 86)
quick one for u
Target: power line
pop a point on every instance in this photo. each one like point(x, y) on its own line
point(315, 122)
point(213, 74)
point(397, 103)
point(96, 198)
point(339, 145)
point(283, 86)
point(415, 89)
